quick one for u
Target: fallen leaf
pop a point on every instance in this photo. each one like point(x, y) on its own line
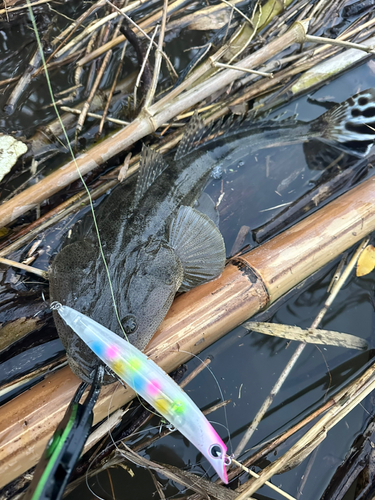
point(10, 151)
point(309, 335)
point(366, 261)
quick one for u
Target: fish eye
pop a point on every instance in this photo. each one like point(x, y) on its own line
point(129, 323)
point(168, 279)
point(216, 451)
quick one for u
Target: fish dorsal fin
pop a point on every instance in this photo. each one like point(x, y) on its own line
point(192, 135)
point(199, 246)
point(151, 166)
point(350, 124)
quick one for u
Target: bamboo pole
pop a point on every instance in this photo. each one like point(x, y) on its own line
point(161, 112)
point(197, 319)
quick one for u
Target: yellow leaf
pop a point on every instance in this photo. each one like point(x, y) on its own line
point(3, 231)
point(366, 261)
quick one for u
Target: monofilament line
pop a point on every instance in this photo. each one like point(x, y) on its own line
point(74, 160)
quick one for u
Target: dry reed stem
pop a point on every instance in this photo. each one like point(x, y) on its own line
point(141, 71)
point(155, 78)
point(138, 129)
point(253, 29)
point(113, 86)
point(195, 372)
point(297, 353)
point(347, 399)
point(187, 479)
point(339, 43)
point(251, 71)
point(22, 7)
point(25, 267)
point(23, 82)
point(76, 111)
point(267, 483)
point(86, 106)
point(96, 25)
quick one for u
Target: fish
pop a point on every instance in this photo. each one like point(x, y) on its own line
point(157, 241)
point(152, 383)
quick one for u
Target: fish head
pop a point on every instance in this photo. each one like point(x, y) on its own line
point(151, 276)
point(144, 283)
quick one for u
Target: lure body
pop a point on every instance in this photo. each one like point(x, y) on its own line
point(152, 383)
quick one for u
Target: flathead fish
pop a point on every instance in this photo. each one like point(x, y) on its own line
point(156, 241)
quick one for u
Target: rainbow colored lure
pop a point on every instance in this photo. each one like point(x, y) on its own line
point(152, 383)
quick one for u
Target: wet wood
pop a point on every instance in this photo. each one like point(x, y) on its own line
point(197, 318)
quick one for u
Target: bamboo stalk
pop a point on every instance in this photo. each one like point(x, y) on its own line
point(197, 318)
point(143, 125)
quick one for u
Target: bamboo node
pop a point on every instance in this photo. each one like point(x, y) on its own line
point(300, 28)
point(150, 117)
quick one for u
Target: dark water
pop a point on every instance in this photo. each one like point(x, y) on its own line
point(245, 365)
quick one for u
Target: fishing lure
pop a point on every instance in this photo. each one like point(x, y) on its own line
point(152, 383)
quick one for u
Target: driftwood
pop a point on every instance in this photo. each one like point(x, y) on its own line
point(198, 318)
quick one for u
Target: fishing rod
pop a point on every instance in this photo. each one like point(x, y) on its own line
point(65, 446)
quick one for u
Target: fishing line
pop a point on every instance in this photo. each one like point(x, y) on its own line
point(328, 372)
point(74, 159)
point(226, 426)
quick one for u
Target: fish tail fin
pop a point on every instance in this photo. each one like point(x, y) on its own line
point(351, 124)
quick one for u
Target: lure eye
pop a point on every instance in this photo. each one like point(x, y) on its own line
point(129, 324)
point(216, 451)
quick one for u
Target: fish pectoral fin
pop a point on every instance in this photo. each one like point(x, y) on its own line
point(151, 166)
point(199, 246)
point(206, 205)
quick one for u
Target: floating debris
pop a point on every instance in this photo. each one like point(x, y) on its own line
point(308, 335)
point(10, 151)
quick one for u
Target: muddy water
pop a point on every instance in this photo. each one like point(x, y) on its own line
point(245, 365)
